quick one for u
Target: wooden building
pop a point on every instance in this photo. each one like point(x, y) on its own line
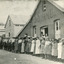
point(48, 18)
point(13, 25)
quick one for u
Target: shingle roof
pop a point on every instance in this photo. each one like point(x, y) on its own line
point(26, 9)
point(19, 19)
point(58, 3)
point(30, 18)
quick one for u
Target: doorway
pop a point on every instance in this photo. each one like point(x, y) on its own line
point(44, 30)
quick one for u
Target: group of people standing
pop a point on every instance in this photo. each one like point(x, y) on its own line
point(44, 47)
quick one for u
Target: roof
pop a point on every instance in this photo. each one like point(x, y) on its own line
point(23, 11)
point(58, 3)
point(19, 19)
point(16, 7)
point(29, 19)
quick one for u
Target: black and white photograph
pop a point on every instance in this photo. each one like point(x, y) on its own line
point(31, 31)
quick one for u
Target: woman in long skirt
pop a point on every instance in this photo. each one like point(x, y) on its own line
point(42, 46)
point(37, 48)
point(60, 49)
point(12, 45)
point(47, 48)
point(22, 47)
point(16, 46)
point(32, 45)
point(54, 48)
point(28, 45)
point(62, 56)
point(19, 45)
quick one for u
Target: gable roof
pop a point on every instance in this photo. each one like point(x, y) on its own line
point(54, 2)
point(30, 18)
point(19, 19)
point(58, 3)
point(26, 10)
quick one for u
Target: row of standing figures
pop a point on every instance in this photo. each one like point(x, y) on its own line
point(45, 47)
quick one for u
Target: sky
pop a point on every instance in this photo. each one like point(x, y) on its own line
point(22, 7)
point(16, 8)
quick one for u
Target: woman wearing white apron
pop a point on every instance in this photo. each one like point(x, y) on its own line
point(32, 46)
point(37, 48)
point(60, 49)
point(12, 44)
point(42, 47)
point(22, 47)
point(47, 50)
point(19, 45)
point(54, 48)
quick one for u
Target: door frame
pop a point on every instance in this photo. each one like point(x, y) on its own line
point(43, 27)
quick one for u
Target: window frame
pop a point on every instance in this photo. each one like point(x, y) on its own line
point(57, 26)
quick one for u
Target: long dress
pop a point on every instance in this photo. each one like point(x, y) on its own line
point(32, 46)
point(54, 49)
point(47, 48)
point(59, 49)
point(22, 47)
point(42, 46)
point(28, 46)
point(37, 48)
point(62, 52)
point(19, 45)
point(16, 46)
point(25, 45)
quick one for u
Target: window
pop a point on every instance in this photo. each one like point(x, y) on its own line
point(44, 8)
point(57, 25)
point(44, 2)
point(34, 29)
point(16, 24)
point(9, 34)
point(9, 22)
point(21, 25)
point(44, 5)
point(44, 30)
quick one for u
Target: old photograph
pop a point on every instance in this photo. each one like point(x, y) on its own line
point(31, 31)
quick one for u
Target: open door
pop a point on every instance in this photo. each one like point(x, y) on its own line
point(34, 31)
point(44, 30)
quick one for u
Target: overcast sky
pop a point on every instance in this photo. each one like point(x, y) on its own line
point(16, 8)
